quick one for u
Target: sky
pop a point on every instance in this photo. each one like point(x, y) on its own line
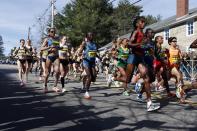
point(17, 15)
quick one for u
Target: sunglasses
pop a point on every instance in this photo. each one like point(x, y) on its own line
point(52, 31)
point(174, 41)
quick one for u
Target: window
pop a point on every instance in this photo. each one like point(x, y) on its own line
point(190, 28)
point(166, 34)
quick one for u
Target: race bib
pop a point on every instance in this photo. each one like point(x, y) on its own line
point(175, 59)
point(124, 57)
point(62, 53)
point(65, 49)
point(21, 57)
point(45, 53)
point(92, 54)
point(55, 43)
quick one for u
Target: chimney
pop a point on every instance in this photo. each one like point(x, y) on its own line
point(182, 8)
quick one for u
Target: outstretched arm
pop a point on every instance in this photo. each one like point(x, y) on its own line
point(44, 45)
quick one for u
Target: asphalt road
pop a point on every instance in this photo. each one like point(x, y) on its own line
point(29, 108)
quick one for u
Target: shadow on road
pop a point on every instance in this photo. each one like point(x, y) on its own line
point(28, 109)
point(25, 109)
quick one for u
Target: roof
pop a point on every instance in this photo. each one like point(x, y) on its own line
point(172, 21)
point(110, 44)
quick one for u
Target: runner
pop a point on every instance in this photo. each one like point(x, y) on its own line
point(160, 65)
point(29, 58)
point(42, 64)
point(64, 60)
point(105, 63)
point(174, 61)
point(35, 60)
point(20, 54)
point(148, 48)
point(136, 52)
point(90, 53)
point(113, 65)
point(136, 58)
point(51, 45)
point(77, 59)
point(123, 53)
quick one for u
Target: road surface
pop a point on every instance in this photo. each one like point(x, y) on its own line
point(30, 109)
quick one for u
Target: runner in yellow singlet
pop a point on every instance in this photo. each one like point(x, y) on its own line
point(174, 63)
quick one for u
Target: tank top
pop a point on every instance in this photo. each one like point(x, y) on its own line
point(174, 56)
point(123, 54)
point(63, 52)
point(21, 54)
point(29, 52)
point(149, 48)
point(138, 50)
point(161, 53)
point(90, 51)
point(53, 42)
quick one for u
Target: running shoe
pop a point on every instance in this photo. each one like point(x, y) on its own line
point(22, 84)
point(40, 78)
point(56, 89)
point(125, 93)
point(140, 98)
point(64, 90)
point(87, 95)
point(153, 107)
point(159, 89)
point(182, 101)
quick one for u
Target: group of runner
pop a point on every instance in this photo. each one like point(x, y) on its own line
point(139, 62)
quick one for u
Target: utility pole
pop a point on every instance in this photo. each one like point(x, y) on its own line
point(29, 32)
point(52, 13)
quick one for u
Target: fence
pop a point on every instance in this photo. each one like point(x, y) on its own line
point(189, 69)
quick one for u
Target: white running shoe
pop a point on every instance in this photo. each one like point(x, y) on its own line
point(22, 83)
point(64, 90)
point(40, 78)
point(87, 95)
point(160, 89)
point(153, 107)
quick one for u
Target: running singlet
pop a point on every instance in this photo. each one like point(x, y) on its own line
point(90, 51)
point(29, 52)
point(63, 52)
point(34, 55)
point(138, 50)
point(52, 42)
point(21, 53)
point(148, 49)
point(161, 53)
point(174, 56)
point(123, 54)
point(45, 53)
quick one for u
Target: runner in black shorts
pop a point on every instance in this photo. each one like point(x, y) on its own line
point(64, 53)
